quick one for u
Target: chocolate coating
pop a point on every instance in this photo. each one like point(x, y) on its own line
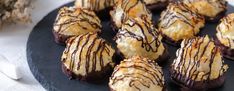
point(95, 5)
point(137, 74)
point(87, 57)
point(72, 21)
point(124, 9)
point(156, 4)
point(139, 37)
point(213, 10)
point(180, 22)
point(224, 36)
point(198, 65)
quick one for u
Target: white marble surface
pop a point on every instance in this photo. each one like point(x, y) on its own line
point(13, 39)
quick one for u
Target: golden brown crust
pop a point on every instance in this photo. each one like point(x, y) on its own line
point(75, 21)
point(139, 37)
point(224, 36)
point(225, 31)
point(125, 9)
point(137, 73)
point(208, 8)
point(180, 22)
point(198, 60)
point(95, 5)
point(87, 54)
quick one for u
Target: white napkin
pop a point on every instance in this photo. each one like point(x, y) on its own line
point(13, 39)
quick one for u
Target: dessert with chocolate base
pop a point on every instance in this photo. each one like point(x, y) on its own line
point(88, 57)
point(73, 21)
point(198, 65)
point(138, 36)
point(137, 74)
point(213, 10)
point(225, 36)
point(179, 22)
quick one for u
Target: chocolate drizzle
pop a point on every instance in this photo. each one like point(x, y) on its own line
point(75, 21)
point(224, 28)
point(148, 37)
point(129, 9)
point(87, 53)
point(180, 12)
point(143, 72)
point(195, 62)
point(224, 37)
point(96, 5)
point(218, 5)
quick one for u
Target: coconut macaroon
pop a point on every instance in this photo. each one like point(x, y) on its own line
point(198, 65)
point(137, 74)
point(72, 21)
point(213, 10)
point(124, 9)
point(139, 37)
point(225, 36)
point(96, 5)
point(179, 22)
point(88, 57)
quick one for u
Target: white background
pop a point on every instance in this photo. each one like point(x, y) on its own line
point(13, 39)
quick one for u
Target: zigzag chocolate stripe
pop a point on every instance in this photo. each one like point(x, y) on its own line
point(125, 9)
point(139, 73)
point(95, 5)
point(149, 37)
point(225, 30)
point(71, 18)
point(198, 59)
point(179, 11)
point(219, 3)
point(87, 53)
point(130, 5)
point(98, 5)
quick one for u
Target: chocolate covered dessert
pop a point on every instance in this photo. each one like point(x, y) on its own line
point(139, 37)
point(213, 10)
point(198, 65)
point(137, 74)
point(72, 21)
point(225, 36)
point(87, 57)
point(179, 22)
point(124, 9)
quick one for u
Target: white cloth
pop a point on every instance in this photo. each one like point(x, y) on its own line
point(13, 39)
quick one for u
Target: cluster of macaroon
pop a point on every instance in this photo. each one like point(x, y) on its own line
point(198, 64)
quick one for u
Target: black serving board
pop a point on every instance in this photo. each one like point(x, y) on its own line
point(43, 56)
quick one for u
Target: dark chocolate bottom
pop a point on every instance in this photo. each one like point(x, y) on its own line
point(187, 84)
point(104, 14)
point(59, 38)
point(226, 51)
point(217, 17)
point(164, 57)
point(164, 89)
point(93, 77)
point(170, 41)
point(114, 28)
point(158, 6)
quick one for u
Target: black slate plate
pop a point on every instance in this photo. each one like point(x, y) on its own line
point(43, 56)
